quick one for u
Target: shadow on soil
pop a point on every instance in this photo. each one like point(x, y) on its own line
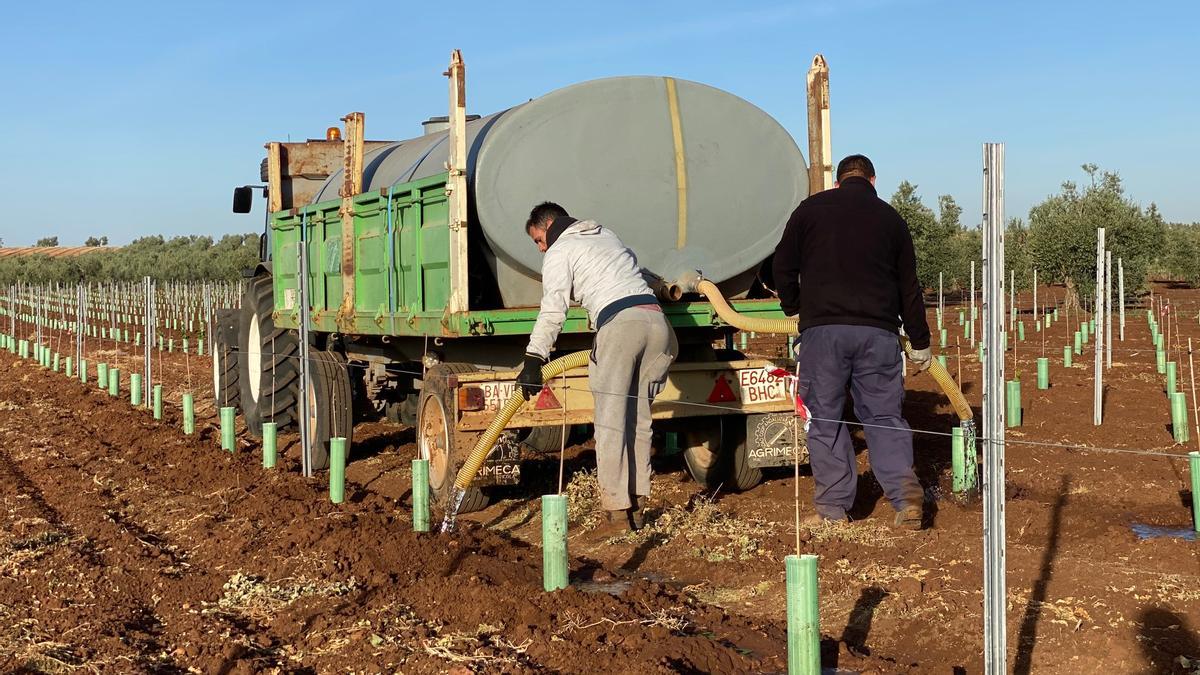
point(1166, 638)
point(1027, 637)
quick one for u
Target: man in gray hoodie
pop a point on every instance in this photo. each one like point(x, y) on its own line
point(634, 347)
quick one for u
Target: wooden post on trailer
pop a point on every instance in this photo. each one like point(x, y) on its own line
point(456, 183)
point(352, 175)
point(274, 177)
point(820, 152)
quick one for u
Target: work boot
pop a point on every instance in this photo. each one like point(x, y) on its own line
point(816, 520)
point(613, 524)
point(637, 515)
point(910, 517)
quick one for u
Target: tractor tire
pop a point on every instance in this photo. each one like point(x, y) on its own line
point(438, 442)
point(270, 362)
point(330, 404)
point(544, 440)
point(715, 454)
point(225, 362)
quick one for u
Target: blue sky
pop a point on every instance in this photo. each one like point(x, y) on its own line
point(124, 119)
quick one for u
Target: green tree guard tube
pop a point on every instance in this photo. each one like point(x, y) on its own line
point(942, 359)
point(158, 401)
point(137, 339)
point(420, 496)
point(227, 413)
point(554, 542)
point(1021, 331)
point(102, 375)
point(171, 345)
point(160, 342)
point(803, 615)
point(982, 354)
point(1083, 330)
point(1092, 326)
point(1159, 341)
point(1014, 403)
point(1160, 358)
point(939, 320)
point(189, 415)
point(56, 364)
point(958, 461)
point(1067, 355)
point(974, 313)
point(114, 381)
point(200, 346)
point(67, 367)
point(83, 370)
point(1043, 373)
point(944, 337)
point(1004, 341)
point(1078, 343)
point(270, 452)
point(1179, 417)
point(1172, 368)
point(337, 470)
point(1194, 469)
point(962, 317)
point(185, 345)
point(135, 389)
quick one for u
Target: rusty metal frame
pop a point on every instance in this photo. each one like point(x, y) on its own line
point(456, 184)
point(352, 178)
point(685, 395)
point(820, 152)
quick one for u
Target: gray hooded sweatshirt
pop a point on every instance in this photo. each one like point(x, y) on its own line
point(587, 264)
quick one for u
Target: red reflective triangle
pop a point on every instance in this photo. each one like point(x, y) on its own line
point(721, 392)
point(546, 400)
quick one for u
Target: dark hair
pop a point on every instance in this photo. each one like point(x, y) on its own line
point(543, 214)
point(855, 165)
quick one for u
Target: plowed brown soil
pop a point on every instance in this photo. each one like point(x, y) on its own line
point(126, 546)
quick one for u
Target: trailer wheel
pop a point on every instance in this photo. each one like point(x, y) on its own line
point(715, 454)
point(544, 440)
point(225, 361)
point(330, 408)
point(270, 368)
point(437, 440)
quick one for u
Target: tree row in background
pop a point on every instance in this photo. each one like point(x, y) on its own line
point(190, 258)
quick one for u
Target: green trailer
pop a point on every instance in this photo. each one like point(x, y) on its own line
point(419, 313)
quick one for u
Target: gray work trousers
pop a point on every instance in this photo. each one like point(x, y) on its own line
point(630, 359)
point(868, 359)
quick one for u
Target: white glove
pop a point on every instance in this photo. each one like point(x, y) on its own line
point(921, 358)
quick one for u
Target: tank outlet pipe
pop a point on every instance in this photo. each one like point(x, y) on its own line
point(484, 445)
point(789, 327)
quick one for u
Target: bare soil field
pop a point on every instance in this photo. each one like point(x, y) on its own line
point(126, 546)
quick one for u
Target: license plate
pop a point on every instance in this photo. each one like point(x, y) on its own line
point(769, 440)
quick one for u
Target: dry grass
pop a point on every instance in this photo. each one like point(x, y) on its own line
point(727, 596)
point(713, 535)
point(673, 619)
point(254, 597)
point(25, 642)
point(583, 500)
point(863, 533)
point(876, 574)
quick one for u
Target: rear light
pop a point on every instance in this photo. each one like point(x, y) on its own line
point(470, 399)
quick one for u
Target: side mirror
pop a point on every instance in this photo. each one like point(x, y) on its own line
point(243, 198)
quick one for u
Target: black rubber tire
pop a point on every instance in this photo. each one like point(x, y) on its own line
point(331, 405)
point(436, 389)
point(226, 364)
point(544, 440)
point(715, 454)
point(277, 348)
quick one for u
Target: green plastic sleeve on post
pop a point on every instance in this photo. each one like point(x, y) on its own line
point(554, 542)
point(102, 375)
point(171, 345)
point(1083, 330)
point(1067, 356)
point(114, 381)
point(200, 346)
point(942, 360)
point(56, 364)
point(1014, 403)
point(1043, 373)
point(1160, 358)
point(420, 495)
point(958, 461)
point(158, 401)
point(270, 452)
point(1021, 331)
point(189, 415)
point(1194, 469)
point(803, 615)
point(944, 336)
point(337, 470)
point(135, 389)
point(982, 354)
point(185, 345)
point(1179, 417)
point(962, 317)
point(1078, 343)
point(67, 369)
point(83, 371)
point(227, 414)
point(1172, 369)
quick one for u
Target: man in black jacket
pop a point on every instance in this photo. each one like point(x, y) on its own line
point(846, 266)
